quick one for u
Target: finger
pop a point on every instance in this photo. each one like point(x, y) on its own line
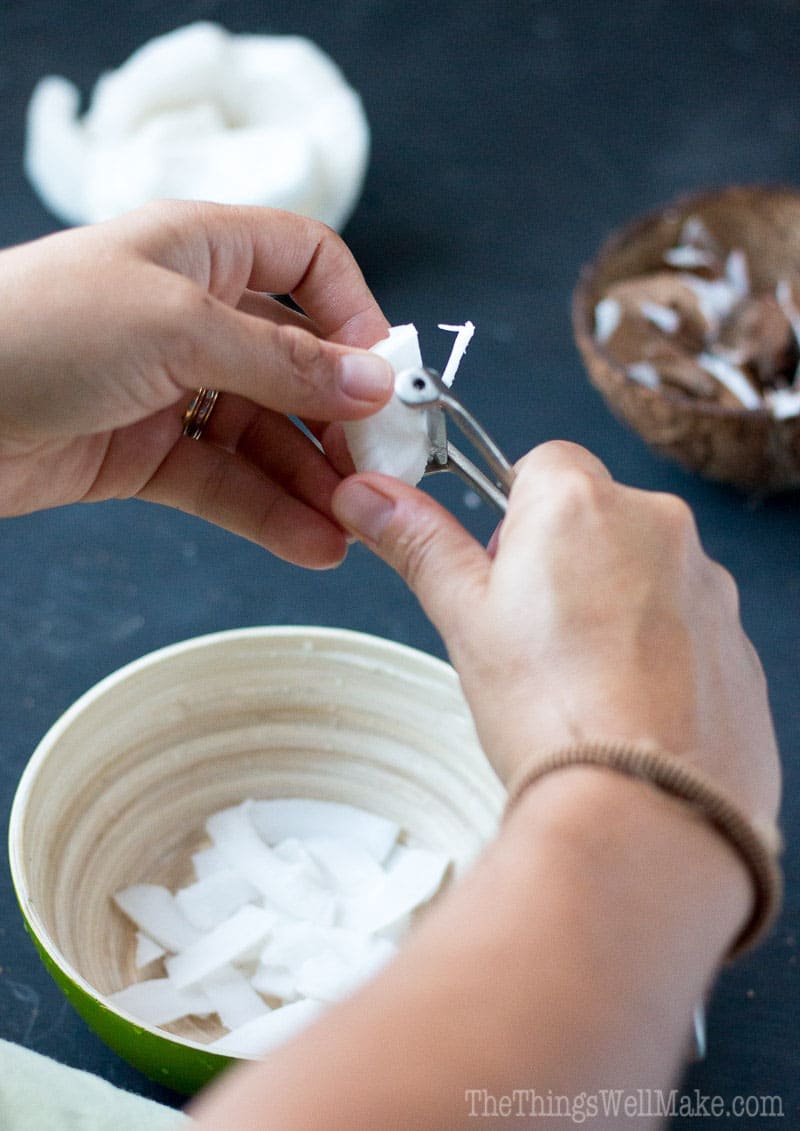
point(559, 456)
point(334, 443)
point(277, 447)
point(225, 488)
point(552, 481)
point(440, 562)
point(279, 366)
point(227, 249)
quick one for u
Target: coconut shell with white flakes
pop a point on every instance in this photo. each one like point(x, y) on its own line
point(754, 448)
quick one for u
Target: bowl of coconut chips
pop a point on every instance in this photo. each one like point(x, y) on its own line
point(688, 322)
point(221, 840)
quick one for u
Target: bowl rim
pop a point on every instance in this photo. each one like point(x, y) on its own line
point(625, 233)
point(42, 938)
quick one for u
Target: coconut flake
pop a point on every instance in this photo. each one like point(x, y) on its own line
point(157, 1001)
point(147, 950)
point(238, 936)
point(688, 257)
point(329, 975)
point(463, 338)
point(732, 378)
point(281, 818)
point(664, 317)
point(785, 298)
point(607, 315)
point(275, 981)
point(233, 998)
point(289, 886)
point(783, 403)
point(737, 274)
point(413, 876)
point(346, 863)
point(645, 373)
point(206, 862)
point(695, 232)
point(215, 898)
point(265, 1033)
point(154, 910)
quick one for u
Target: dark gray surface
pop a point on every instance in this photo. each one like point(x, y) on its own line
point(508, 140)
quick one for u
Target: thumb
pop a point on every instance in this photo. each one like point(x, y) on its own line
point(439, 561)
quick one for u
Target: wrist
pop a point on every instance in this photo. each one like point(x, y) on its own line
point(672, 880)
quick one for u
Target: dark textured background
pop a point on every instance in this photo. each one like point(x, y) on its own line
point(508, 140)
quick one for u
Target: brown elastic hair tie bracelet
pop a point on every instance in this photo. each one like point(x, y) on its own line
point(758, 849)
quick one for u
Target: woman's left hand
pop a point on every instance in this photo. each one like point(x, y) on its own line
point(106, 331)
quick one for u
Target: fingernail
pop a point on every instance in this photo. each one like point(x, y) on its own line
point(365, 376)
point(363, 510)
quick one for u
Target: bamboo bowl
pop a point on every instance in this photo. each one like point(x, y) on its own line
point(748, 448)
point(118, 790)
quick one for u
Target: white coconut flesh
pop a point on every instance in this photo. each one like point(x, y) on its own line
point(296, 903)
point(394, 441)
point(202, 114)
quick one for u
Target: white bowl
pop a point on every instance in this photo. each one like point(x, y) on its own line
point(118, 790)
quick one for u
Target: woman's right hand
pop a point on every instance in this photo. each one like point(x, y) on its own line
point(594, 615)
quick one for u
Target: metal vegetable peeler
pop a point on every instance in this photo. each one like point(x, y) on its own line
point(423, 388)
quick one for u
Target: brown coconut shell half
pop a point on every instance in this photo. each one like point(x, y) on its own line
point(748, 448)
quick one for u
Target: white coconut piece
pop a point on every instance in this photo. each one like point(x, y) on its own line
point(215, 898)
point(328, 975)
point(718, 297)
point(157, 1001)
point(294, 851)
point(264, 950)
point(265, 1033)
point(292, 941)
point(688, 257)
point(279, 818)
point(463, 335)
point(413, 876)
point(664, 317)
point(275, 981)
point(645, 373)
point(348, 865)
point(147, 950)
point(607, 314)
point(234, 999)
point(289, 886)
point(203, 114)
point(154, 910)
point(785, 299)
point(207, 861)
point(394, 440)
point(237, 937)
point(737, 274)
point(732, 377)
point(695, 232)
point(783, 403)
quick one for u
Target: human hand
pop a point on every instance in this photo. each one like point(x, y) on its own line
point(595, 615)
point(107, 330)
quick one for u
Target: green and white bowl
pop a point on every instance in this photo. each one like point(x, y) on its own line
point(118, 791)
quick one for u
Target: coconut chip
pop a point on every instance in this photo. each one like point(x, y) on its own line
point(247, 943)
